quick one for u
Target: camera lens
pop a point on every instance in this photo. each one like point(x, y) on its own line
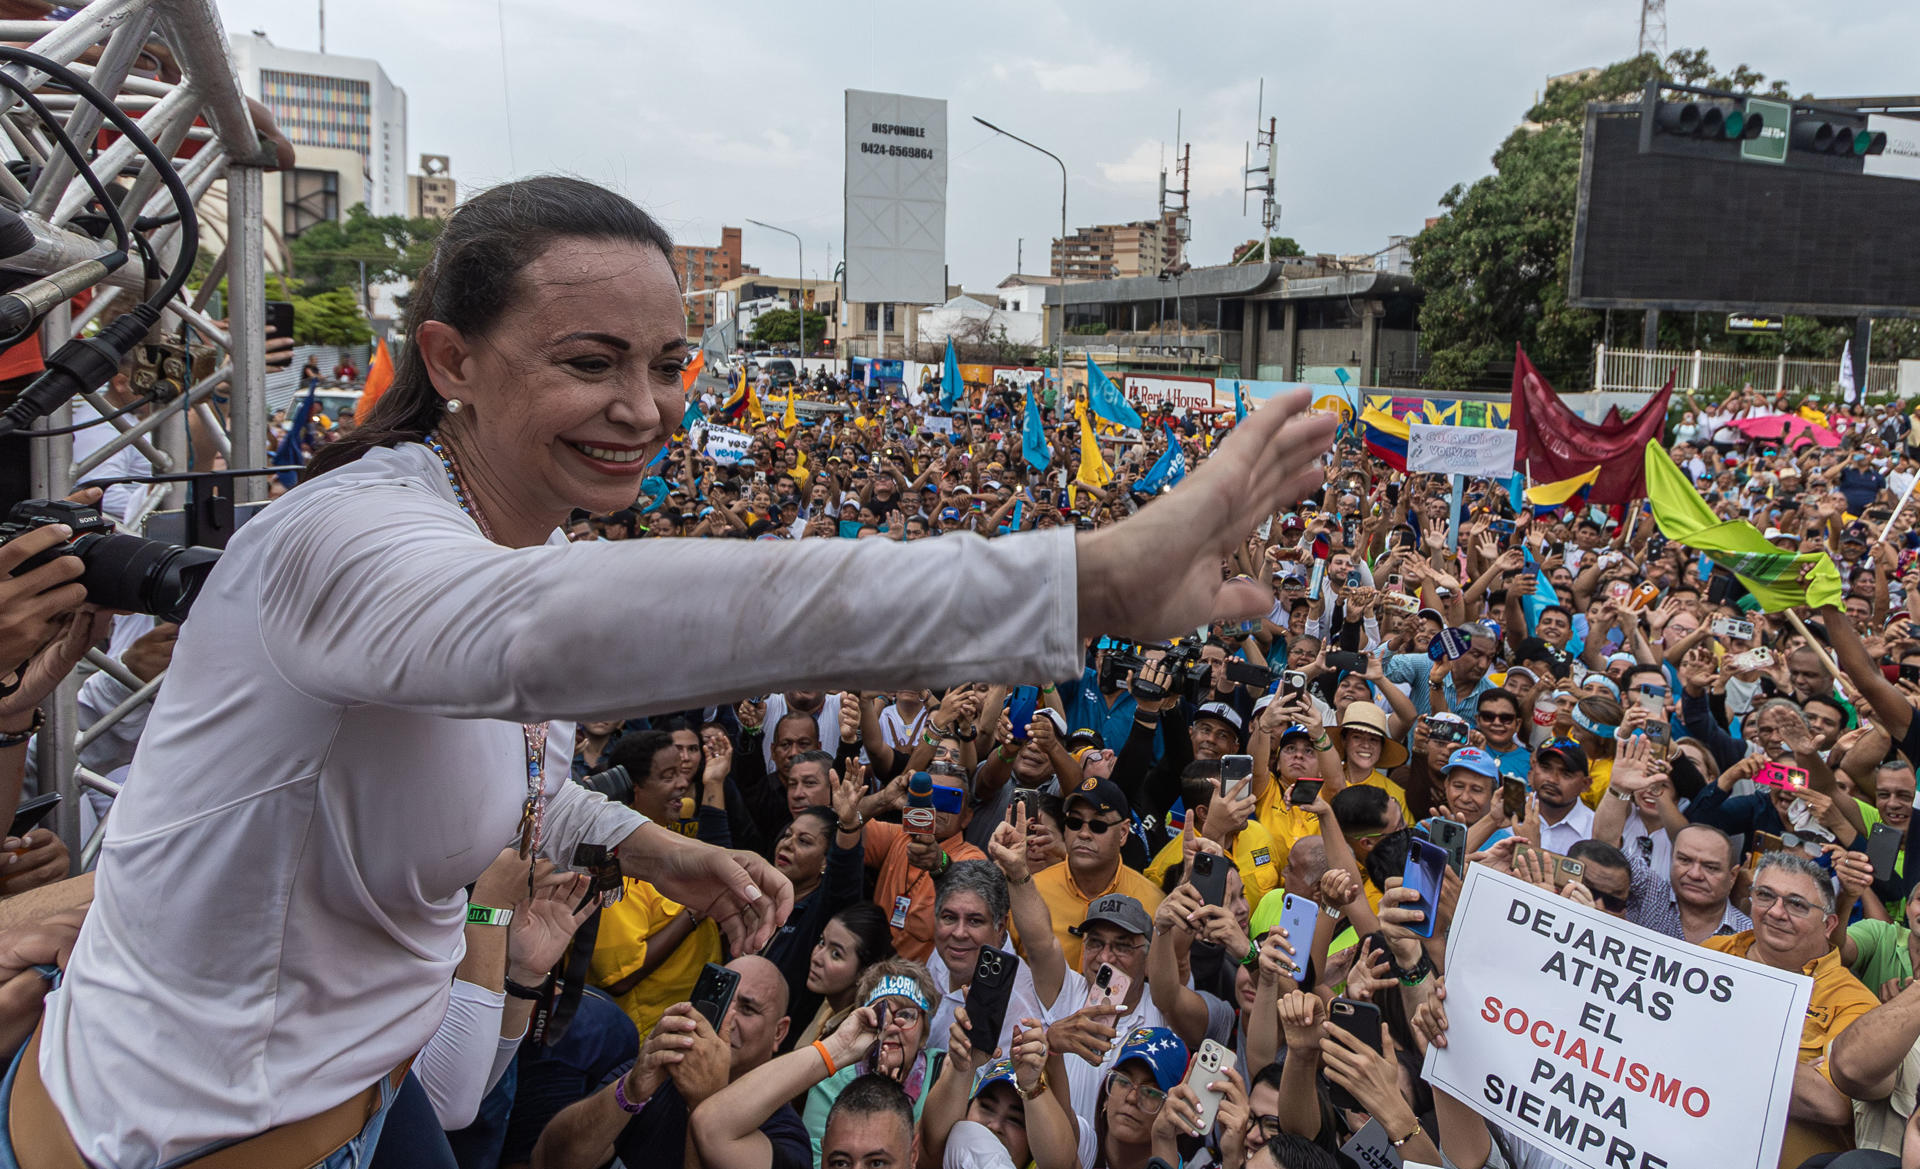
point(143, 576)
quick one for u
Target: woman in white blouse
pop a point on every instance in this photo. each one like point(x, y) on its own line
point(357, 717)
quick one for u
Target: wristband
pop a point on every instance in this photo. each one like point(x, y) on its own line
point(1047, 689)
point(822, 1049)
point(1001, 751)
point(626, 1105)
point(488, 915)
point(17, 738)
point(520, 990)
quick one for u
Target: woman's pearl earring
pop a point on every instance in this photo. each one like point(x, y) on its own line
point(454, 405)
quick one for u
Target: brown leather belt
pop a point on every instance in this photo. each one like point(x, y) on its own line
point(41, 1140)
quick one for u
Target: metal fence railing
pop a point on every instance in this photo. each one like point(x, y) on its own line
point(1644, 369)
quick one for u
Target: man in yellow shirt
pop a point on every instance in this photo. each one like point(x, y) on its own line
point(1098, 822)
point(1224, 821)
point(1793, 918)
point(649, 951)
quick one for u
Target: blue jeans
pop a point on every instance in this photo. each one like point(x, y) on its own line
point(355, 1154)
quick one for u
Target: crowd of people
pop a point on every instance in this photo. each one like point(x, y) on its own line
point(1108, 856)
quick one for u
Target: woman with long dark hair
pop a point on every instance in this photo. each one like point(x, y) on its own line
point(370, 697)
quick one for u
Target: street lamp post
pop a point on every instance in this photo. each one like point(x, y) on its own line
point(1060, 326)
point(802, 277)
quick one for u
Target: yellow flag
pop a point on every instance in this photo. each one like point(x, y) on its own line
point(800, 474)
point(789, 420)
point(754, 410)
point(1093, 468)
point(1817, 417)
point(1554, 494)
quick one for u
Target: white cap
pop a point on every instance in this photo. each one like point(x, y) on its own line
point(1777, 534)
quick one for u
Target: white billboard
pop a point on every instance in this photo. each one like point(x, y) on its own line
point(896, 198)
point(1901, 159)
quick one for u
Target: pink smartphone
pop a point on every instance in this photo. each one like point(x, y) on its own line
point(1109, 987)
point(1780, 775)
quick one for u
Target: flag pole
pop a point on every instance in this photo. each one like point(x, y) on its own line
point(1813, 643)
point(1898, 508)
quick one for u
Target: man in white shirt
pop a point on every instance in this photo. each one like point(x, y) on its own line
point(1560, 779)
point(824, 707)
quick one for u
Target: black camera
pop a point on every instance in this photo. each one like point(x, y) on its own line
point(1188, 676)
point(123, 572)
point(613, 783)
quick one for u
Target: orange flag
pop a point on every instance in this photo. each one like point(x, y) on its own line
point(691, 372)
point(379, 377)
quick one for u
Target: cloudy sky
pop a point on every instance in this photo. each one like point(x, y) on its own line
point(708, 113)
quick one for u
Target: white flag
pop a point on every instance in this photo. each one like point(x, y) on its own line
point(1847, 391)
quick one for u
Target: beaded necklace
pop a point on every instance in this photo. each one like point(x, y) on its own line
point(534, 814)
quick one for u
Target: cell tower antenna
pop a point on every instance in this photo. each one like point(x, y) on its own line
point(1653, 28)
point(1263, 130)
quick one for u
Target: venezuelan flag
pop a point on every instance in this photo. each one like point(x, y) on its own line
point(1385, 437)
point(1556, 494)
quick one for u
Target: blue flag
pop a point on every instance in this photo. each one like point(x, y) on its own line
point(1239, 403)
point(1517, 493)
point(1171, 468)
point(289, 454)
point(1033, 435)
point(1106, 400)
point(950, 387)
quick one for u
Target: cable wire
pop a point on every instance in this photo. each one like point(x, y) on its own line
point(51, 431)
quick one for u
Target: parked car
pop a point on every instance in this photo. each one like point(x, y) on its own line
point(780, 370)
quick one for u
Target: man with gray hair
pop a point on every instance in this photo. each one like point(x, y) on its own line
point(1793, 920)
point(970, 907)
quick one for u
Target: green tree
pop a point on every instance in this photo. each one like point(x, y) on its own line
point(1496, 263)
point(781, 326)
point(330, 318)
point(1281, 246)
point(393, 247)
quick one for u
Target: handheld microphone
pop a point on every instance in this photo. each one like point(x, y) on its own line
point(918, 817)
point(25, 304)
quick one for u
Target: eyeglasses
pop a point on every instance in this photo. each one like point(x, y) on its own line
point(1606, 900)
point(1268, 1126)
point(1097, 827)
point(905, 1016)
point(1765, 899)
point(1116, 949)
point(1151, 1098)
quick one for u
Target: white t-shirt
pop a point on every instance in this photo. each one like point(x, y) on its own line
point(280, 900)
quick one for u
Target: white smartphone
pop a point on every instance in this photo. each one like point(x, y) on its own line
point(1208, 1067)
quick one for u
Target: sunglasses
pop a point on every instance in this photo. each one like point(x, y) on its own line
point(1606, 900)
point(1492, 716)
point(1097, 827)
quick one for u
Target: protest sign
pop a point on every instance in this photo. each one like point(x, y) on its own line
point(1606, 1044)
point(1188, 392)
point(725, 445)
point(1372, 1148)
point(1460, 450)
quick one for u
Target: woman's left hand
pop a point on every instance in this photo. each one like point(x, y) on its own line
point(741, 891)
point(543, 926)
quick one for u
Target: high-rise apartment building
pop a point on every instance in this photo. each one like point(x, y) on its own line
point(348, 124)
point(704, 268)
point(1144, 247)
point(432, 194)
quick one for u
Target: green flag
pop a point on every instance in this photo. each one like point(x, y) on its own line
point(1778, 580)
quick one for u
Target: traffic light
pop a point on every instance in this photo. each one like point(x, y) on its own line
point(1839, 138)
point(1722, 120)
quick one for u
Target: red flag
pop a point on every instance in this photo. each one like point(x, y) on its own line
point(1555, 443)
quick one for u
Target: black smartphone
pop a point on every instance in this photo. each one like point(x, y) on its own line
point(34, 812)
point(1304, 791)
point(280, 317)
point(1209, 876)
point(713, 993)
point(987, 998)
point(1248, 674)
point(1719, 589)
point(1883, 849)
point(1452, 836)
point(1339, 660)
point(1362, 1021)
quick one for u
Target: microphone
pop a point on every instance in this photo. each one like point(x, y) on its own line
point(25, 304)
point(918, 817)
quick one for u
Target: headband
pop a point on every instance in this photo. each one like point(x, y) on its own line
point(899, 986)
point(1598, 730)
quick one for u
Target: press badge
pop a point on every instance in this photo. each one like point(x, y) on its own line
point(900, 907)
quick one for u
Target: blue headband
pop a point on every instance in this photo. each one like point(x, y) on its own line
point(1592, 728)
point(899, 986)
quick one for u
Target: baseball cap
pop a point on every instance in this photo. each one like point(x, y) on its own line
point(1115, 909)
point(1296, 731)
point(1568, 750)
point(1000, 1071)
point(1223, 712)
point(1777, 534)
point(1433, 615)
point(1475, 760)
point(1104, 794)
point(1158, 1048)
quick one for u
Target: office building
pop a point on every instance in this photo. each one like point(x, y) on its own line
point(432, 194)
